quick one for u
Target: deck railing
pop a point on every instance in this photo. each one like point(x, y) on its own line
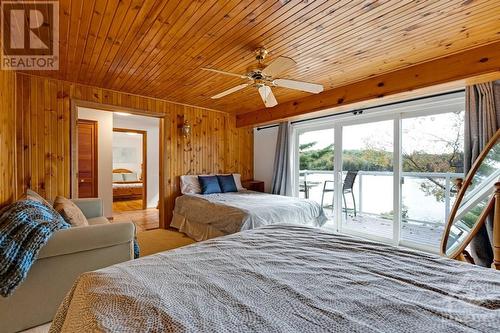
point(447, 176)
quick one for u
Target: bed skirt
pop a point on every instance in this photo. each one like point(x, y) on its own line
point(197, 231)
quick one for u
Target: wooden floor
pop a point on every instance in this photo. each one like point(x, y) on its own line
point(146, 219)
point(127, 205)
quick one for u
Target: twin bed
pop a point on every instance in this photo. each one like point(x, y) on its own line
point(279, 278)
point(205, 216)
point(126, 185)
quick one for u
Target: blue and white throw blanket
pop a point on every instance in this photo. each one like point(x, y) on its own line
point(25, 226)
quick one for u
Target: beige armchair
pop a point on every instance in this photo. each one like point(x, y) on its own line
point(66, 255)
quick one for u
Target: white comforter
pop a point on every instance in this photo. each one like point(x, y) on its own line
point(284, 279)
point(238, 211)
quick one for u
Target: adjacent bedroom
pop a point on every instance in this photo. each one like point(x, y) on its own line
point(249, 166)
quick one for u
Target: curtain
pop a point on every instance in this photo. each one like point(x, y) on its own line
point(282, 170)
point(482, 119)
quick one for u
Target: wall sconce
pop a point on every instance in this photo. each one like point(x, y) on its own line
point(186, 129)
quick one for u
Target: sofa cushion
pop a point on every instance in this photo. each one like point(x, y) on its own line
point(98, 220)
point(70, 212)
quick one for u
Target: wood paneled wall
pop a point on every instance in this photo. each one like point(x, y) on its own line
point(43, 137)
point(7, 136)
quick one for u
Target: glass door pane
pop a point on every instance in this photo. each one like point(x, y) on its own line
point(432, 158)
point(316, 167)
point(367, 179)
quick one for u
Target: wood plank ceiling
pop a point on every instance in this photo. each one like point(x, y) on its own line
point(156, 48)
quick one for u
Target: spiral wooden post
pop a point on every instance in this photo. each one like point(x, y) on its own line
point(496, 228)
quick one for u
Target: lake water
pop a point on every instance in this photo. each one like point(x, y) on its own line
point(377, 197)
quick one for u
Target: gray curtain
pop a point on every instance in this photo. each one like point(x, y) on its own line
point(281, 183)
point(482, 120)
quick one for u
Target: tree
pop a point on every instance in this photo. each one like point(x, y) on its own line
point(451, 161)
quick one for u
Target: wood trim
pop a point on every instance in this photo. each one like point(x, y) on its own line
point(144, 171)
point(95, 153)
point(472, 63)
point(163, 202)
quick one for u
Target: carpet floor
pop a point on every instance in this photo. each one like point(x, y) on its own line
point(159, 240)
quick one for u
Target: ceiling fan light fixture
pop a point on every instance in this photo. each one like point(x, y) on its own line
point(263, 77)
point(261, 54)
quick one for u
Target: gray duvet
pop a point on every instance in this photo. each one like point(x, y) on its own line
point(238, 211)
point(284, 279)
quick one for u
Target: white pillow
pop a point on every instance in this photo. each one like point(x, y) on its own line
point(237, 181)
point(190, 184)
point(130, 177)
point(117, 177)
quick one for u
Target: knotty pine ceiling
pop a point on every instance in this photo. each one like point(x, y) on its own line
point(156, 48)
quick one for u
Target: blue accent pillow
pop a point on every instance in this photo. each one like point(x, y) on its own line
point(209, 184)
point(227, 183)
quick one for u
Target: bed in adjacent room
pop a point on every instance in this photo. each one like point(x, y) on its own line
point(127, 185)
point(205, 216)
point(285, 279)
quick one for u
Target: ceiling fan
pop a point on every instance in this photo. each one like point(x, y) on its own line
point(263, 78)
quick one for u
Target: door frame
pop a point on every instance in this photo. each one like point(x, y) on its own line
point(95, 178)
point(77, 103)
point(144, 166)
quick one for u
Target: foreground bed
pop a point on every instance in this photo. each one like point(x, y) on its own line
point(284, 279)
point(212, 215)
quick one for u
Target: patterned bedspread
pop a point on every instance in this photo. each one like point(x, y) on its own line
point(284, 279)
point(233, 212)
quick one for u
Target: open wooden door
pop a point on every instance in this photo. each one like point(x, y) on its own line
point(87, 158)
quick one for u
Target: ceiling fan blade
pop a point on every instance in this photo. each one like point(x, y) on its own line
point(299, 85)
point(230, 91)
point(267, 96)
point(278, 65)
point(226, 73)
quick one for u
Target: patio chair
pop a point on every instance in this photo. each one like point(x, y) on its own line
point(304, 188)
point(327, 189)
point(347, 187)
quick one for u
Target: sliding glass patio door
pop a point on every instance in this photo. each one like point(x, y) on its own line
point(388, 175)
point(432, 158)
point(366, 188)
point(316, 162)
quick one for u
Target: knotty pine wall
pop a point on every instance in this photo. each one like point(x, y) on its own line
point(35, 147)
point(7, 136)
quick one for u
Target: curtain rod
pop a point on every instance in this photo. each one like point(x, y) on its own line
point(360, 111)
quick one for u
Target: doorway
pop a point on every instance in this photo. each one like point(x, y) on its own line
point(129, 169)
point(136, 169)
point(150, 214)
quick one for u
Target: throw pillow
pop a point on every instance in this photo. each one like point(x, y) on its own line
point(209, 184)
point(32, 195)
point(227, 183)
point(70, 212)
